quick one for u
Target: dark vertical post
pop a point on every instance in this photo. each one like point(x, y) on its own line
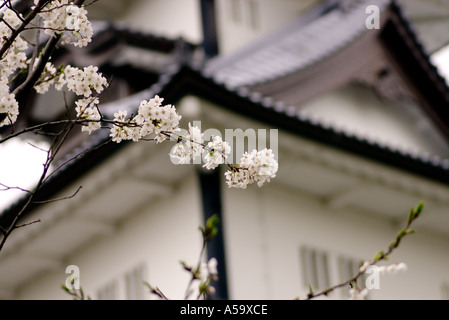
point(210, 183)
point(208, 17)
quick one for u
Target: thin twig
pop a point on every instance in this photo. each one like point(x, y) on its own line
point(27, 224)
point(59, 199)
point(6, 188)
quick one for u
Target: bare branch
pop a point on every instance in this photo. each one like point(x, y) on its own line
point(6, 188)
point(27, 224)
point(77, 156)
point(36, 147)
point(59, 199)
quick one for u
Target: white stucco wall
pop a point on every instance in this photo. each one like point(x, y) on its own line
point(266, 228)
point(156, 237)
point(169, 18)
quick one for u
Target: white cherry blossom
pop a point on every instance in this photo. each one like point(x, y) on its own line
point(217, 153)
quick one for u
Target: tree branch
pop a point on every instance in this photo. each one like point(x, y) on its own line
point(25, 22)
point(379, 256)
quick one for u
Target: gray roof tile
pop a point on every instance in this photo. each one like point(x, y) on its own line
point(293, 48)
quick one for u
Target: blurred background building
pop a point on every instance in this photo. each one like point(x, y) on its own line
point(358, 117)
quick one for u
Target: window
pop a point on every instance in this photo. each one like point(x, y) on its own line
point(253, 6)
point(130, 286)
point(134, 283)
point(322, 270)
point(245, 13)
point(315, 268)
point(108, 291)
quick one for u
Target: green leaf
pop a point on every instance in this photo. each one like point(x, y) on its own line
point(401, 234)
point(378, 256)
point(411, 215)
point(211, 229)
point(203, 287)
point(392, 245)
point(419, 209)
point(212, 222)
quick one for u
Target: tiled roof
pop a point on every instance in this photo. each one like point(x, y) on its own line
point(113, 31)
point(293, 48)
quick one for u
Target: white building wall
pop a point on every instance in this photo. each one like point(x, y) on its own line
point(266, 228)
point(156, 238)
point(169, 18)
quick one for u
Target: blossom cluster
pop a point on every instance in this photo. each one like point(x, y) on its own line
point(14, 58)
point(68, 20)
point(191, 146)
point(386, 269)
point(188, 147)
point(256, 166)
point(151, 118)
point(82, 82)
point(59, 17)
point(9, 107)
point(87, 110)
point(218, 151)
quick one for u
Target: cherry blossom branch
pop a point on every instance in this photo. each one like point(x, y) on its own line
point(379, 256)
point(29, 83)
point(27, 20)
point(152, 118)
